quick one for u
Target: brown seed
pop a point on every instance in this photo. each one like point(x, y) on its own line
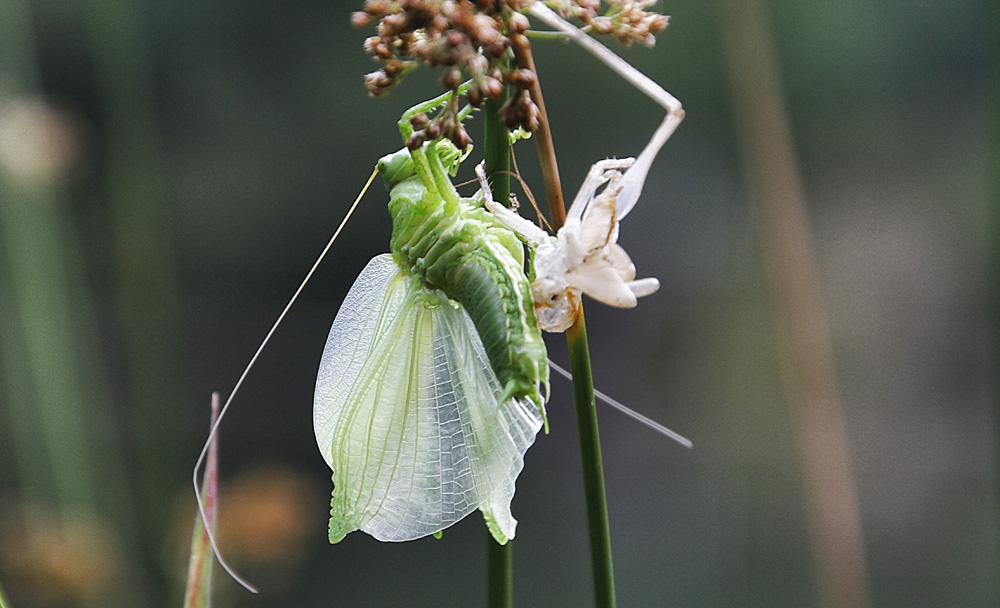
point(452, 79)
point(382, 51)
point(392, 25)
point(393, 67)
point(359, 19)
point(518, 23)
point(492, 87)
point(511, 117)
point(415, 141)
point(475, 96)
point(460, 138)
point(419, 120)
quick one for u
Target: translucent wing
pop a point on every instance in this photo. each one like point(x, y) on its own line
point(407, 414)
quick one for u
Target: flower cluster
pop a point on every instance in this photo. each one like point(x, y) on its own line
point(470, 40)
point(627, 20)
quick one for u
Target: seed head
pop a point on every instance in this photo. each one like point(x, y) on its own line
point(471, 40)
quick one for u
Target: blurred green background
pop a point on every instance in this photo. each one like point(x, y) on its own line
point(169, 171)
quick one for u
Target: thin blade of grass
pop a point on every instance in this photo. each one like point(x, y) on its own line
point(199, 580)
point(3, 599)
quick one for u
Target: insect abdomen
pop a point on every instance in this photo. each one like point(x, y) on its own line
point(505, 322)
point(458, 255)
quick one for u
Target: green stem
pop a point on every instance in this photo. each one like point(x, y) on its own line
point(143, 259)
point(497, 153)
point(34, 247)
point(598, 529)
point(500, 573)
point(496, 141)
point(579, 354)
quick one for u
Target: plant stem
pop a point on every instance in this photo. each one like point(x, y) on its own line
point(143, 256)
point(593, 470)
point(500, 570)
point(543, 135)
point(499, 558)
point(599, 531)
point(802, 331)
point(198, 593)
point(497, 152)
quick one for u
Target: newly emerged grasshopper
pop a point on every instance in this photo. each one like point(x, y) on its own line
point(428, 393)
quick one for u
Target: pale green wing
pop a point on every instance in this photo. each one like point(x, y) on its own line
point(407, 414)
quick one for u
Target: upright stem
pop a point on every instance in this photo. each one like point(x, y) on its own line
point(141, 227)
point(499, 558)
point(198, 593)
point(803, 336)
point(599, 531)
point(500, 579)
point(543, 135)
point(593, 469)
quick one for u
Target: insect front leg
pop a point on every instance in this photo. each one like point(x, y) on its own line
point(525, 228)
point(432, 166)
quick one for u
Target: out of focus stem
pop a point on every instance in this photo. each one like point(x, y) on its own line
point(802, 330)
point(3, 599)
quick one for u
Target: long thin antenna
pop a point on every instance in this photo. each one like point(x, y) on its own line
point(229, 400)
point(621, 407)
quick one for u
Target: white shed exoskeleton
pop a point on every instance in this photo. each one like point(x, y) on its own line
point(584, 256)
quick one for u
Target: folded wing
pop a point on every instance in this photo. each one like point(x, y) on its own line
point(407, 414)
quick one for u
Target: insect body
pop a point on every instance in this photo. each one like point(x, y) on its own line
point(456, 246)
point(429, 390)
point(428, 393)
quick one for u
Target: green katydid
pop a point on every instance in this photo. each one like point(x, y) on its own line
point(428, 391)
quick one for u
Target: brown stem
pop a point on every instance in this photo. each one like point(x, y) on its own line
point(543, 135)
point(803, 334)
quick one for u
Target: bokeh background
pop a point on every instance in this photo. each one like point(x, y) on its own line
point(170, 170)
